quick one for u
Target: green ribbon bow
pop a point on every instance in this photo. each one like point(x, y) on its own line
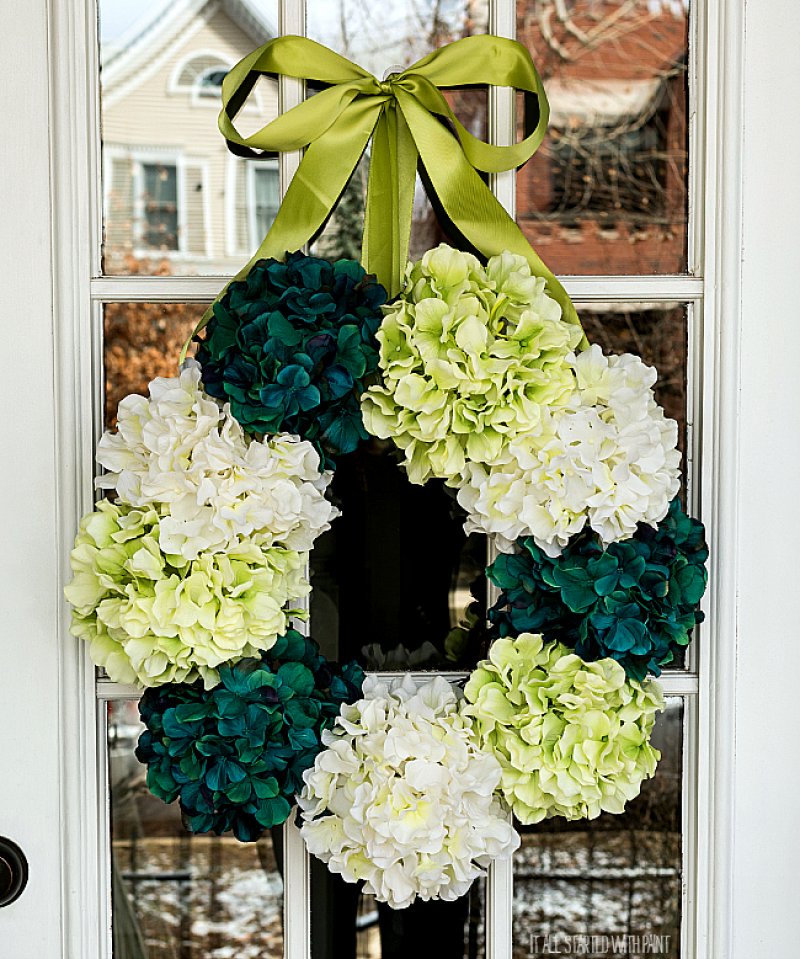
point(402, 115)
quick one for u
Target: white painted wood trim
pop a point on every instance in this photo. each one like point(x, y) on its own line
point(297, 866)
point(77, 210)
point(720, 46)
point(584, 289)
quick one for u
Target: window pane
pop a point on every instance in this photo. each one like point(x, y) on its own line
point(382, 38)
point(161, 72)
point(616, 878)
point(179, 896)
point(142, 341)
point(607, 191)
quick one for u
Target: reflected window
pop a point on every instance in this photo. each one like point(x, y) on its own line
point(204, 73)
point(265, 198)
point(210, 83)
point(158, 199)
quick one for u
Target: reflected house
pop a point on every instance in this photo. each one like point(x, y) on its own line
point(607, 192)
point(173, 193)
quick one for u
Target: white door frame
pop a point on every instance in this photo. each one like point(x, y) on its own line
point(745, 842)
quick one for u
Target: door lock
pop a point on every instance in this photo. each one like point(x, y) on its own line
point(13, 871)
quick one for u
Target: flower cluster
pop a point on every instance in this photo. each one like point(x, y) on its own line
point(290, 345)
point(234, 755)
point(402, 798)
point(635, 601)
point(206, 544)
point(606, 457)
point(151, 617)
point(213, 487)
point(572, 737)
point(470, 356)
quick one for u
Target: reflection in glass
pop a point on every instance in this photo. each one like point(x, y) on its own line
point(175, 200)
point(617, 878)
point(142, 341)
point(607, 191)
point(178, 896)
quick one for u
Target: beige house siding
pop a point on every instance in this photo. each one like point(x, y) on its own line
point(146, 119)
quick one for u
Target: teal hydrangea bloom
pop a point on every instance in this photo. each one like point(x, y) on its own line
point(635, 601)
point(234, 755)
point(290, 347)
point(572, 738)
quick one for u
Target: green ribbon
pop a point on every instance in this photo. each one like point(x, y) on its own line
point(403, 115)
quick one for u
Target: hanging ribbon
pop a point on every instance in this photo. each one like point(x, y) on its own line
point(403, 115)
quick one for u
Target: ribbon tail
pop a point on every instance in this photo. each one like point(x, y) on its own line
point(390, 200)
point(474, 210)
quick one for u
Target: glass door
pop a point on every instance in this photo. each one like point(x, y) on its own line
point(611, 202)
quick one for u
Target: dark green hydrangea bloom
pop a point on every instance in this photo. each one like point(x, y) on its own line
point(635, 601)
point(290, 346)
point(234, 755)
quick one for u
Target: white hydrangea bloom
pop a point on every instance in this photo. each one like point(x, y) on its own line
point(609, 458)
point(402, 798)
point(182, 453)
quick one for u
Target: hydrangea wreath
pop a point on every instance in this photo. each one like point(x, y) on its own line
point(559, 452)
point(402, 798)
point(636, 601)
point(234, 755)
point(290, 346)
point(572, 738)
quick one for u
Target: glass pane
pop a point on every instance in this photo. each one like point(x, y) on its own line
point(178, 896)
point(382, 38)
point(395, 577)
point(347, 924)
point(142, 341)
point(615, 879)
point(607, 191)
point(161, 74)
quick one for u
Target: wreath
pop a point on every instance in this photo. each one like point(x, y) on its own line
point(186, 580)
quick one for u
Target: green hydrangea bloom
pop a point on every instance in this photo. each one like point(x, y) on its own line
point(153, 618)
point(469, 355)
point(573, 738)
